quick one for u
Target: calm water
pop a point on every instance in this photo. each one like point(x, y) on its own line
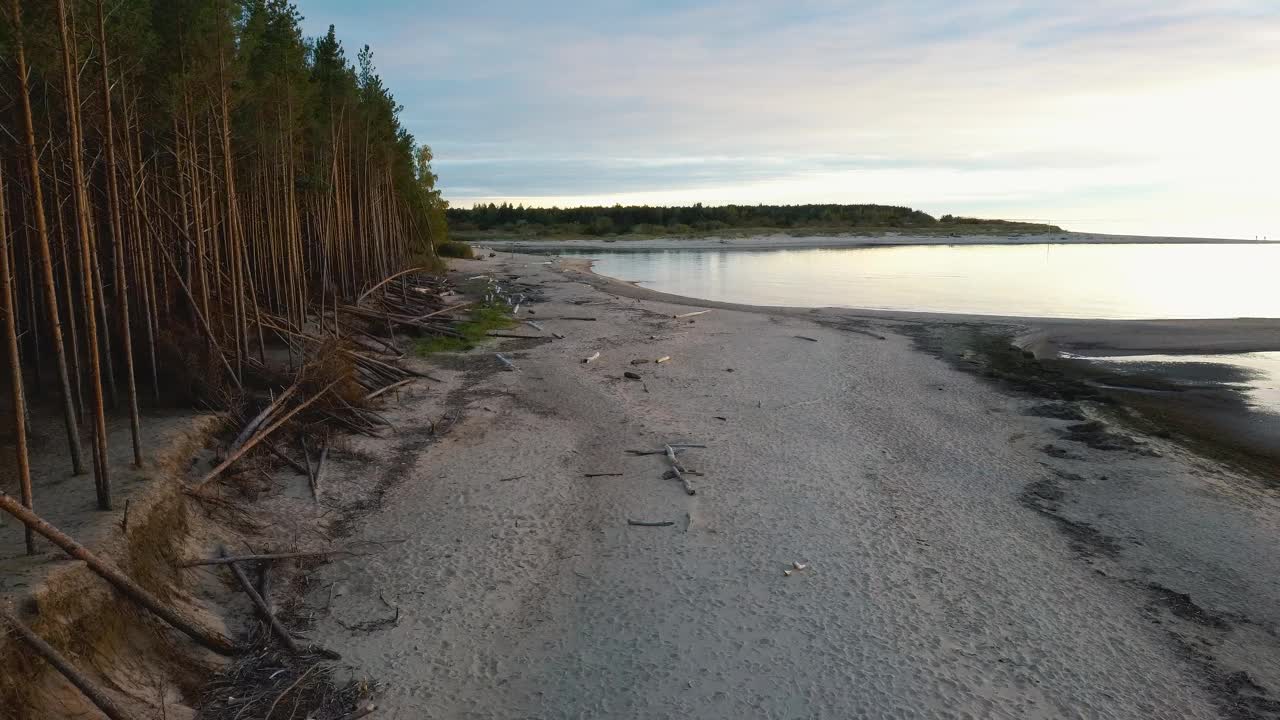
point(1071, 281)
point(1076, 281)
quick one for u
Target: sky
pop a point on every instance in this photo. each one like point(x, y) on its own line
point(1156, 117)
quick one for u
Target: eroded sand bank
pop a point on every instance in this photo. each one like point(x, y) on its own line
point(969, 556)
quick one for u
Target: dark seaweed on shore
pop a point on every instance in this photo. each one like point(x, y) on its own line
point(269, 683)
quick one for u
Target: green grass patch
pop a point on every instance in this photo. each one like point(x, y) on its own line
point(480, 321)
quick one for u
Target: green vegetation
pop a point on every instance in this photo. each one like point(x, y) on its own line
point(492, 219)
point(455, 249)
point(481, 321)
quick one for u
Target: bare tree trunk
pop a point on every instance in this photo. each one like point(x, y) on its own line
point(102, 473)
point(46, 259)
point(117, 242)
point(15, 366)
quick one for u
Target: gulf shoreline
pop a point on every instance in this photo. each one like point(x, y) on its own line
point(1214, 418)
point(979, 536)
point(1043, 336)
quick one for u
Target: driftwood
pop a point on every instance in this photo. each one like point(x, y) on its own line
point(631, 375)
point(264, 557)
point(574, 317)
point(280, 631)
point(257, 438)
point(671, 455)
point(357, 714)
point(650, 523)
point(806, 337)
point(392, 386)
point(204, 636)
point(654, 452)
point(610, 474)
point(690, 314)
point(506, 361)
point(62, 665)
point(593, 356)
point(509, 479)
point(663, 359)
point(256, 422)
point(288, 460)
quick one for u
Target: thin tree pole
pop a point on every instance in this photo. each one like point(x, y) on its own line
point(15, 366)
point(102, 474)
point(46, 259)
point(136, 181)
point(73, 332)
point(117, 242)
point(234, 246)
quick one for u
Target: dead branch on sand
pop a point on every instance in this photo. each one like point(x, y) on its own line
point(280, 632)
point(261, 558)
point(675, 466)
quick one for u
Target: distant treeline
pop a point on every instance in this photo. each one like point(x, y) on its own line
point(646, 219)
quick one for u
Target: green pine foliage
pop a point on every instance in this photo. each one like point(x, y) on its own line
point(306, 120)
point(699, 218)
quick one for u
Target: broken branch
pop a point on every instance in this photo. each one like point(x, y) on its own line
point(280, 631)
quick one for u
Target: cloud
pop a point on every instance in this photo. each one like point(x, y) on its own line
point(1070, 102)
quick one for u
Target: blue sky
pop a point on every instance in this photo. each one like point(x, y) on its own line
point(1105, 115)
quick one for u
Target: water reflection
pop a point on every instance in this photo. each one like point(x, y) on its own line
point(1255, 375)
point(1080, 281)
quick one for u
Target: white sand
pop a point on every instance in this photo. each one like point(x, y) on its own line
point(933, 590)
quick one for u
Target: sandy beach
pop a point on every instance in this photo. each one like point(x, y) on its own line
point(969, 550)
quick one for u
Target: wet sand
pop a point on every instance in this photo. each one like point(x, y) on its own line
point(973, 550)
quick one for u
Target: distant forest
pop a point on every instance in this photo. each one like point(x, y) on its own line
point(650, 220)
